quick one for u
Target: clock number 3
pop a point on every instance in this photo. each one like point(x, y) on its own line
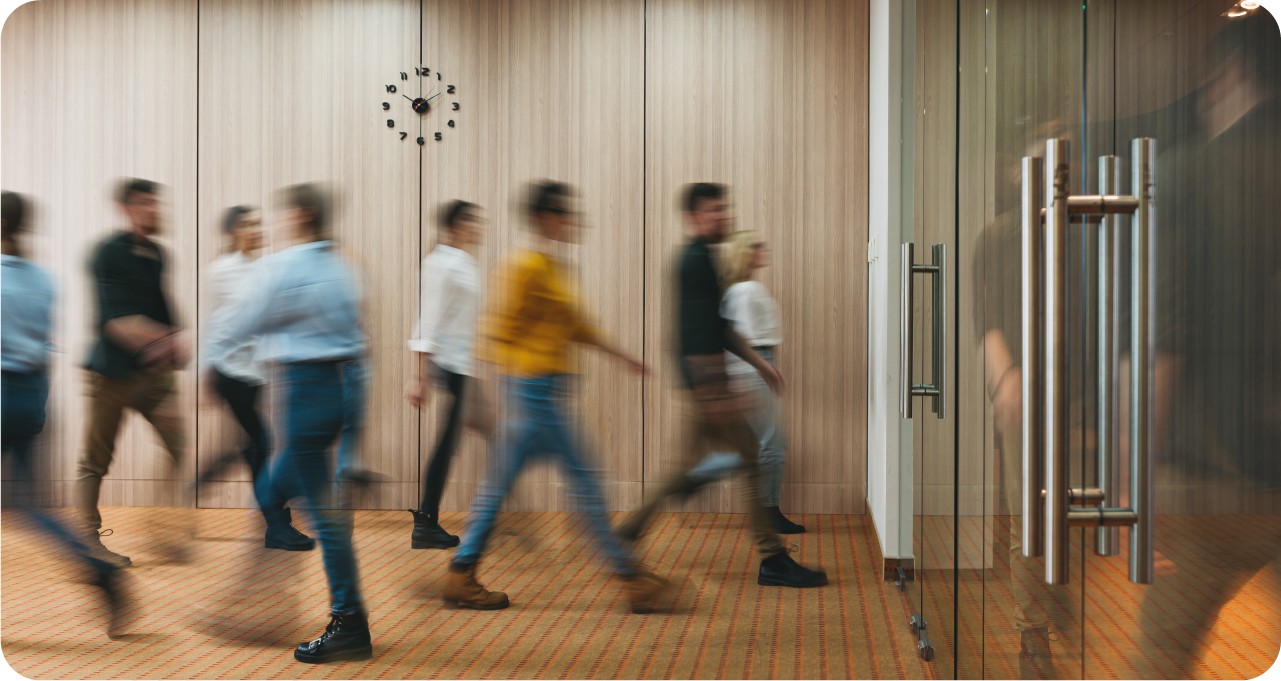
point(455, 106)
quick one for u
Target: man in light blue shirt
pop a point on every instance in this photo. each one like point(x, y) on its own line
point(26, 314)
point(304, 301)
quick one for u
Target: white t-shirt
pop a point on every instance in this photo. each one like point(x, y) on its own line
point(448, 306)
point(753, 314)
point(226, 276)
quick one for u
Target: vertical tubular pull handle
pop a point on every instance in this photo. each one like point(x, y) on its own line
point(1056, 355)
point(1106, 538)
point(940, 330)
point(1142, 358)
point(1033, 538)
point(905, 334)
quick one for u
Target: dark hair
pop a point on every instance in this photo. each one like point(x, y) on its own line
point(310, 198)
point(12, 209)
point(131, 185)
point(231, 218)
point(696, 192)
point(453, 212)
point(547, 196)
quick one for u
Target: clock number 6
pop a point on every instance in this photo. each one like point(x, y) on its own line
point(420, 141)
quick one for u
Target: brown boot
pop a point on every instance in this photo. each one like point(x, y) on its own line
point(644, 590)
point(463, 591)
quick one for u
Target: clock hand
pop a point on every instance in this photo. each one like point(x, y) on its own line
point(408, 97)
point(433, 96)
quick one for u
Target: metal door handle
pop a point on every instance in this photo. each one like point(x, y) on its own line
point(938, 337)
point(1045, 348)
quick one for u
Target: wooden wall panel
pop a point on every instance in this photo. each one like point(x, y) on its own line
point(735, 94)
point(93, 92)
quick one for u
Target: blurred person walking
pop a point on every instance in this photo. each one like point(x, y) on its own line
point(239, 377)
point(753, 315)
point(139, 346)
point(443, 340)
point(26, 315)
point(704, 338)
point(532, 316)
point(306, 298)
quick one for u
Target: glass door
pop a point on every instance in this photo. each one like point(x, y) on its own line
point(1117, 339)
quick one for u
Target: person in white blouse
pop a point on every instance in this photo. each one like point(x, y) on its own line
point(443, 338)
point(754, 315)
point(239, 377)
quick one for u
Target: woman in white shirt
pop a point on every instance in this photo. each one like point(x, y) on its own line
point(754, 315)
point(239, 377)
point(443, 339)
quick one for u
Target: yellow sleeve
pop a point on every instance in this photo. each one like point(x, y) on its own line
point(501, 320)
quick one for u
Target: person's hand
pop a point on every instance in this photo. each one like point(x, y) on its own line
point(774, 380)
point(1007, 403)
point(415, 390)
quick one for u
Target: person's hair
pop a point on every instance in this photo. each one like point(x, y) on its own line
point(13, 209)
point(546, 196)
point(736, 261)
point(455, 212)
point(696, 192)
point(129, 186)
point(231, 218)
point(310, 198)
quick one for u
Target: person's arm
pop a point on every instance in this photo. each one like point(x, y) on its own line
point(439, 298)
point(248, 313)
point(122, 319)
point(735, 344)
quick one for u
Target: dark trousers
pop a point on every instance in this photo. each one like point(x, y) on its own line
point(242, 399)
point(313, 420)
point(438, 468)
point(22, 416)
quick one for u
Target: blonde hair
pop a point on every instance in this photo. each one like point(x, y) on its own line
point(736, 261)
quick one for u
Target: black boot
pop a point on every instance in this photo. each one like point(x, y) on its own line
point(780, 570)
point(428, 534)
point(281, 533)
point(118, 589)
point(346, 638)
point(632, 530)
point(781, 524)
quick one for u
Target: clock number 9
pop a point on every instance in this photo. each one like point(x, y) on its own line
point(451, 123)
point(455, 106)
point(450, 90)
point(438, 137)
point(386, 106)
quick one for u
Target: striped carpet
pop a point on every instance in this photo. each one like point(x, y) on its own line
point(235, 611)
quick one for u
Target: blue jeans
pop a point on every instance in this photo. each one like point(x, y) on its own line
point(22, 415)
point(313, 419)
point(536, 426)
point(766, 420)
point(354, 381)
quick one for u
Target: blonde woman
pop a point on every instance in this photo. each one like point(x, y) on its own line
point(750, 309)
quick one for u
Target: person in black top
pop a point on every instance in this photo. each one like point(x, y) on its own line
point(704, 337)
point(138, 348)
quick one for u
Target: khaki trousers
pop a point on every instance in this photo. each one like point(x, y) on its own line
point(736, 435)
point(151, 393)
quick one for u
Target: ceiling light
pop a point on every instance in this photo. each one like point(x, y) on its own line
point(1239, 13)
point(1249, 4)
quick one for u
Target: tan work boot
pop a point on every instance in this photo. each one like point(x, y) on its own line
point(644, 590)
point(463, 591)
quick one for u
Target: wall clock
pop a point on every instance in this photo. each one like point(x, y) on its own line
point(410, 111)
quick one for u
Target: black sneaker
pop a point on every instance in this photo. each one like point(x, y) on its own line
point(780, 570)
point(281, 534)
point(781, 524)
point(97, 551)
point(345, 638)
point(428, 534)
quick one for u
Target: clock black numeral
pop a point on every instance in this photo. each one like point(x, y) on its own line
point(422, 71)
point(421, 141)
point(455, 106)
point(438, 75)
point(403, 134)
point(450, 90)
point(404, 76)
point(391, 88)
point(451, 123)
point(438, 137)
point(386, 106)
point(391, 123)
